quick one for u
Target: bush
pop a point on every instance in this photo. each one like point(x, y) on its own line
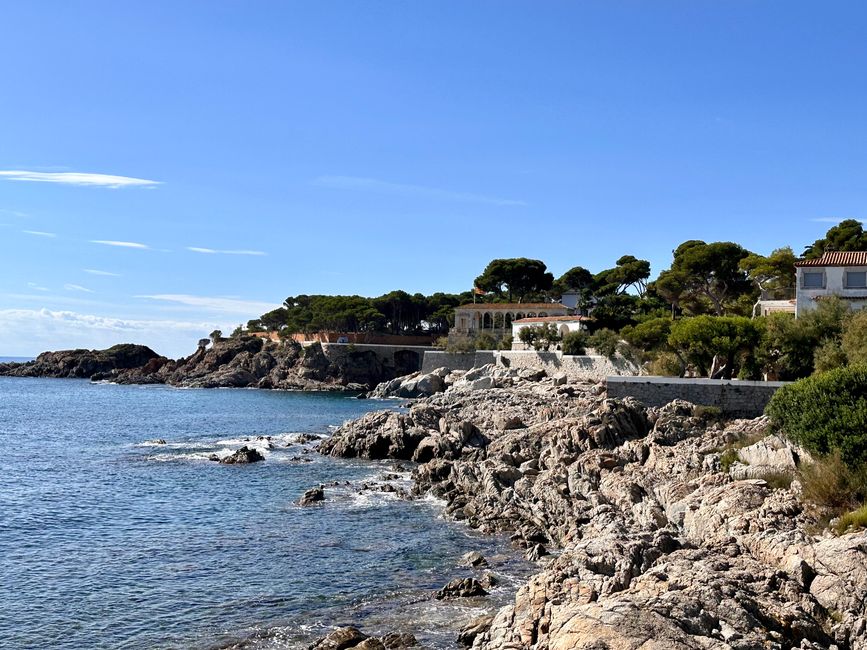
point(574, 342)
point(703, 339)
point(649, 335)
point(461, 345)
point(486, 342)
point(505, 343)
point(828, 356)
point(831, 484)
point(826, 413)
point(604, 342)
point(852, 521)
point(666, 364)
point(539, 337)
point(855, 338)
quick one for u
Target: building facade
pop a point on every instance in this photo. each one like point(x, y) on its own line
point(841, 274)
point(495, 319)
point(564, 325)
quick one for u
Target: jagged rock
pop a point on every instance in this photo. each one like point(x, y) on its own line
point(340, 639)
point(397, 641)
point(243, 455)
point(461, 588)
point(536, 552)
point(473, 559)
point(85, 364)
point(311, 496)
point(156, 441)
point(474, 628)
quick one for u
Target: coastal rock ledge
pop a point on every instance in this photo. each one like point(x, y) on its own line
point(653, 544)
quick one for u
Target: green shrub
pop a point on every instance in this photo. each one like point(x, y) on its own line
point(604, 342)
point(855, 338)
point(574, 342)
point(505, 343)
point(486, 342)
point(728, 458)
point(777, 480)
point(709, 413)
point(851, 521)
point(826, 413)
point(828, 356)
point(666, 364)
point(833, 485)
point(461, 345)
point(648, 335)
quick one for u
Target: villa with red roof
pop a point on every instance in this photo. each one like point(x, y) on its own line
point(837, 273)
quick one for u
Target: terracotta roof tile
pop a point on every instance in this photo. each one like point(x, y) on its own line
point(514, 306)
point(554, 319)
point(838, 258)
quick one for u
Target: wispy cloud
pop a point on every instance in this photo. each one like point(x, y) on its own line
point(419, 191)
point(98, 272)
point(39, 233)
point(214, 251)
point(34, 330)
point(121, 244)
point(77, 178)
point(77, 287)
point(215, 304)
point(833, 219)
point(36, 287)
point(14, 213)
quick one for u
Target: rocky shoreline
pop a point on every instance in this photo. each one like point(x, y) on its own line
point(653, 541)
point(248, 362)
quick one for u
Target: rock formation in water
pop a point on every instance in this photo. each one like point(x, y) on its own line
point(654, 545)
point(248, 362)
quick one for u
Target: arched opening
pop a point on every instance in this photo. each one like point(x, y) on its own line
point(564, 330)
point(507, 321)
point(487, 321)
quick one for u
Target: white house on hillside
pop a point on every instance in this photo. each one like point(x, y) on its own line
point(564, 325)
point(842, 274)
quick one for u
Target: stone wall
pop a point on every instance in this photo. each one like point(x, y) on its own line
point(589, 367)
point(736, 398)
point(403, 359)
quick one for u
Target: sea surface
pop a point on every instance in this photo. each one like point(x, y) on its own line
point(108, 540)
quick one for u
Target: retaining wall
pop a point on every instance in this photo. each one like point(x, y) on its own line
point(402, 359)
point(588, 367)
point(745, 399)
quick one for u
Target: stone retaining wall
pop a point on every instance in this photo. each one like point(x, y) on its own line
point(746, 399)
point(589, 367)
point(402, 359)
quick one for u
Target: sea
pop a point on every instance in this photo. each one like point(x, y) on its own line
point(110, 539)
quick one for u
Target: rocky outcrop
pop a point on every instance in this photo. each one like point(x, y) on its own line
point(461, 588)
point(247, 362)
point(653, 544)
point(312, 496)
point(84, 364)
point(350, 637)
point(242, 456)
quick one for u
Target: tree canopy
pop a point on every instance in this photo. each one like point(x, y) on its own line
point(515, 277)
point(848, 235)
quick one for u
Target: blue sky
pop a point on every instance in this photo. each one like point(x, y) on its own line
point(358, 147)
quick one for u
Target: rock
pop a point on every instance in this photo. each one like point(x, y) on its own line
point(339, 639)
point(507, 423)
point(370, 643)
point(243, 455)
point(156, 441)
point(536, 552)
point(312, 496)
point(396, 641)
point(489, 580)
point(474, 628)
point(473, 559)
point(461, 588)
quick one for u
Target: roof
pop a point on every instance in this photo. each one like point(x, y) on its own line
point(553, 319)
point(837, 258)
point(514, 306)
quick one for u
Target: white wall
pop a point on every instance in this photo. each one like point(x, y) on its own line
point(834, 277)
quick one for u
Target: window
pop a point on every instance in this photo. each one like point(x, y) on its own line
point(813, 280)
point(856, 279)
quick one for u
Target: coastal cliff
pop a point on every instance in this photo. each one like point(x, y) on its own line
point(229, 363)
point(654, 541)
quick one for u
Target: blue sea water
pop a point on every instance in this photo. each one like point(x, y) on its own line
point(110, 541)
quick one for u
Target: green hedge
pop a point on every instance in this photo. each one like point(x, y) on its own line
point(826, 413)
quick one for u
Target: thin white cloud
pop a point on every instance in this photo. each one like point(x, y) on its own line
point(77, 178)
point(37, 287)
point(39, 233)
point(34, 330)
point(385, 187)
point(215, 304)
point(14, 213)
point(214, 251)
point(98, 272)
point(77, 287)
point(121, 244)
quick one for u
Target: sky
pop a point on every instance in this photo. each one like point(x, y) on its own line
point(167, 168)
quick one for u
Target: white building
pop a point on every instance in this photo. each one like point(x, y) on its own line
point(496, 319)
point(564, 324)
point(842, 274)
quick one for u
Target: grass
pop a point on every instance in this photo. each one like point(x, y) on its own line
point(778, 480)
point(851, 521)
point(728, 458)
